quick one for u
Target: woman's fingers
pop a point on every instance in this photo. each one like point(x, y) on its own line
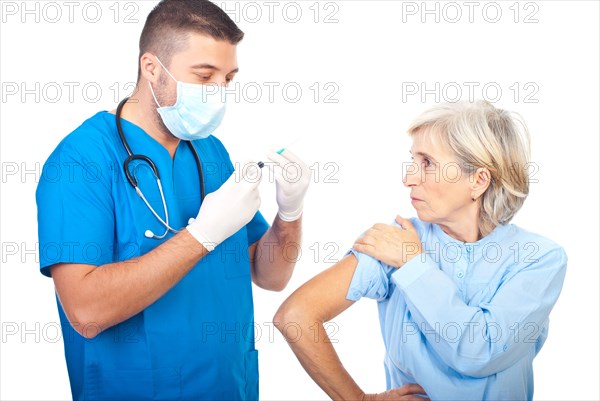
point(412, 388)
point(405, 223)
point(364, 248)
point(408, 392)
point(391, 245)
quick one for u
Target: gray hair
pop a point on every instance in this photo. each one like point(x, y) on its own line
point(481, 135)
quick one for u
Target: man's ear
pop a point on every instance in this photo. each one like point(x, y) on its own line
point(480, 182)
point(150, 69)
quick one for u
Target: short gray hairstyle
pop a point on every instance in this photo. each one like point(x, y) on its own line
point(481, 135)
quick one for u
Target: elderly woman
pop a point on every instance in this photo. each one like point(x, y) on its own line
point(463, 295)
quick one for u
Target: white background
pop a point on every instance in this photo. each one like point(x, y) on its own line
point(370, 51)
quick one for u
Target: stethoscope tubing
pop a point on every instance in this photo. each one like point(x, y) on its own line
point(134, 183)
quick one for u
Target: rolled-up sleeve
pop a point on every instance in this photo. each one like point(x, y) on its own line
point(370, 279)
point(413, 270)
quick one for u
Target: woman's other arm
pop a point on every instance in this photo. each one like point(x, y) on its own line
point(475, 340)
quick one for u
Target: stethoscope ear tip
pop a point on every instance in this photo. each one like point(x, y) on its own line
point(149, 234)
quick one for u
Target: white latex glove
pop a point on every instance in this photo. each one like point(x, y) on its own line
point(228, 209)
point(292, 177)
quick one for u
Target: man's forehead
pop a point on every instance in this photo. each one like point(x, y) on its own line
point(204, 52)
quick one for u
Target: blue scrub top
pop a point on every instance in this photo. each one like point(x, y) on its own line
point(197, 341)
point(465, 320)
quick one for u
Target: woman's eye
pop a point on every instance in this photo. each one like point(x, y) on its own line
point(427, 162)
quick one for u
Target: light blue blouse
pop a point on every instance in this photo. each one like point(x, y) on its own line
point(465, 320)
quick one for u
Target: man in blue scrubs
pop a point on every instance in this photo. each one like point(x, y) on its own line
point(149, 313)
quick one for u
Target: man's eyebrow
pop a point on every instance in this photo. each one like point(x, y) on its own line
point(211, 67)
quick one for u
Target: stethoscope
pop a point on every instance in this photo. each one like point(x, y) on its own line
point(134, 183)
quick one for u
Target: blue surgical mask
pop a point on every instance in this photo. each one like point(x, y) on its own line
point(198, 111)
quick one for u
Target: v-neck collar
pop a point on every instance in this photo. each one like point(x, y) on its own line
point(132, 131)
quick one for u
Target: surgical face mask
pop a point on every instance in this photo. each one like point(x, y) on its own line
point(198, 111)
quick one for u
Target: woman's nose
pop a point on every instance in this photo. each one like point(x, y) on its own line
point(411, 175)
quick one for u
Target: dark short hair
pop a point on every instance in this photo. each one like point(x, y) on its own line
point(169, 24)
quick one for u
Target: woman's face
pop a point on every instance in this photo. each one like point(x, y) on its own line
point(441, 192)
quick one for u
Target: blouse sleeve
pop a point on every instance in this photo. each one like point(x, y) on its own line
point(487, 338)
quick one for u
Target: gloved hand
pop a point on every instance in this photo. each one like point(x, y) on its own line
point(228, 209)
point(292, 177)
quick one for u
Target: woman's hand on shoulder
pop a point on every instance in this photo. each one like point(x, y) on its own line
point(392, 245)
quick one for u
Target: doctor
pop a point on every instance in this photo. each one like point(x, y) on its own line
point(152, 241)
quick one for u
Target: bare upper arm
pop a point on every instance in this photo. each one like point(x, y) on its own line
point(324, 296)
